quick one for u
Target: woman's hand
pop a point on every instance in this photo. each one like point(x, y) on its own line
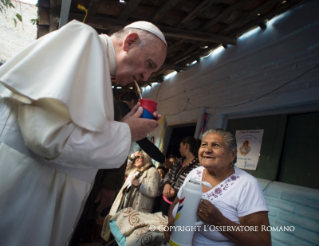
point(168, 233)
point(172, 193)
point(135, 182)
point(171, 219)
point(209, 214)
point(168, 191)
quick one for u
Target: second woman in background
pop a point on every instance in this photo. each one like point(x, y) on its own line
point(140, 187)
point(175, 177)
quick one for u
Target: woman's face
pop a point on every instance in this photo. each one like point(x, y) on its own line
point(214, 153)
point(172, 160)
point(139, 159)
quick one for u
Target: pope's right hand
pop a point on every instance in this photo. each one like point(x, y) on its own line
point(139, 127)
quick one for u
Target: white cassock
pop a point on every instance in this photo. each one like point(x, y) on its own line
point(56, 131)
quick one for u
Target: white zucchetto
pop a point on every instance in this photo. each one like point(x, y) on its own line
point(149, 27)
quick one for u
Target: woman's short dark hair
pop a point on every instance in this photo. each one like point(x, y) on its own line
point(194, 144)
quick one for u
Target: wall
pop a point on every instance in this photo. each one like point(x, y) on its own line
point(15, 38)
point(246, 74)
point(291, 205)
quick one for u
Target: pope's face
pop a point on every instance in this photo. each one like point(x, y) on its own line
point(138, 63)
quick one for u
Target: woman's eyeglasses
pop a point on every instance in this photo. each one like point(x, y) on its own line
point(139, 157)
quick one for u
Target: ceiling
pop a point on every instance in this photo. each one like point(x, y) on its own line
point(193, 28)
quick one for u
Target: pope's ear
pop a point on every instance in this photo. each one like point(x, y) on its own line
point(129, 41)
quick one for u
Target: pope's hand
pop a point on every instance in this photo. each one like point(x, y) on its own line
point(157, 116)
point(139, 127)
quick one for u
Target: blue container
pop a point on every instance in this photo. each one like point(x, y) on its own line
point(147, 115)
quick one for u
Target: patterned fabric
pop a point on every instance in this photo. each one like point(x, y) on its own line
point(178, 173)
point(139, 228)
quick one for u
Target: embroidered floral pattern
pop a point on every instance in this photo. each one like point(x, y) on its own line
point(218, 191)
point(198, 174)
point(233, 177)
point(222, 187)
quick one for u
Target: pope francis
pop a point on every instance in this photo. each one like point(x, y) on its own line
point(57, 125)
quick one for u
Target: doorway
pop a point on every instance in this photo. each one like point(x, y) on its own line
point(178, 133)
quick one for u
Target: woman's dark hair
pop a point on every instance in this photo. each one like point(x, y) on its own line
point(172, 156)
point(163, 168)
point(193, 143)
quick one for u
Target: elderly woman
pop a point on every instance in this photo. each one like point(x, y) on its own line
point(140, 187)
point(235, 198)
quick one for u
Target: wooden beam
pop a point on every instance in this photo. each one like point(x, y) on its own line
point(167, 6)
point(100, 22)
point(44, 16)
point(200, 8)
point(195, 56)
point(284, 7)
point(175, 67)
point(193, 50)
point(109, 23)
point(94, 6)
point(42, 30)
point(183, 54)
point(251, 14)
point(222, 15)
point(198, 36)
point(130, 7)
point(174, 45)
point(55, 7)
point(270, 15)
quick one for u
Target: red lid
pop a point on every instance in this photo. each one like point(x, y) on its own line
point(149, 105)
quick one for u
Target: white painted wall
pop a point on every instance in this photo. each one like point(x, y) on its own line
point(256, 66)
point(14, 39)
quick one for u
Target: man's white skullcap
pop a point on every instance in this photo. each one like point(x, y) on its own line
point(149, 27)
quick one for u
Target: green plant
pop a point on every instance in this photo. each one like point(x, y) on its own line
point(34, 21)
point(6, 4)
